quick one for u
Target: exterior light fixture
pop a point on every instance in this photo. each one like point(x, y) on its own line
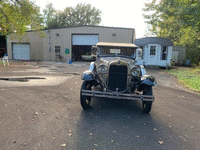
point(114, 34)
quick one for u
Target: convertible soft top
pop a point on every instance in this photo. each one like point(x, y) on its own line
point(116, 44)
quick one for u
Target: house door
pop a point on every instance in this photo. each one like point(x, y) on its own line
point(152, 54)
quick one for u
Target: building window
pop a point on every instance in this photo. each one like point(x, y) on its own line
point(164, 53)
point(153, 50)
point(57, 49)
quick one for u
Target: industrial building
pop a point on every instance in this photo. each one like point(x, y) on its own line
point(65, 44)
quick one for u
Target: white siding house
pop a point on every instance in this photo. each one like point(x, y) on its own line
point(156, 51)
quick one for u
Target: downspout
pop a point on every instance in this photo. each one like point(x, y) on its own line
point(133, 36)
point(49, 43)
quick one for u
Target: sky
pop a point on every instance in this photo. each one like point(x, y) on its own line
point(123, 13)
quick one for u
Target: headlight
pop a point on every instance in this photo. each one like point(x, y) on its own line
point(91, 66)
point(135, 71)
point(143, 71)
point(103, 69)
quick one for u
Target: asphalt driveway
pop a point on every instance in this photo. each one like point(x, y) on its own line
point(49, 116)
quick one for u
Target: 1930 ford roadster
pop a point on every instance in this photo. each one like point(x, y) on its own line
point(115, 75)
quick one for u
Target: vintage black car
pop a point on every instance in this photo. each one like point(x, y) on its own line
point(115, 75)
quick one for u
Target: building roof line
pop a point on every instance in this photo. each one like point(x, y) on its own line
point(153, 38)
point(84, 26)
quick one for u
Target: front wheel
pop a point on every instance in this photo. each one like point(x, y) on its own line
point(146, 105)
point(85, 100)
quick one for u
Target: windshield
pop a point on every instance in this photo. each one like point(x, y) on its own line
point(116, 51)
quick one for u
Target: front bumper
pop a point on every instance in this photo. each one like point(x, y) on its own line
point(117, 95)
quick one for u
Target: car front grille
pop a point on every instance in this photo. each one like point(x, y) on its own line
point(117, 78)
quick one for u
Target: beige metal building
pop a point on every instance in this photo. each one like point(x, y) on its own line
point(65, 43)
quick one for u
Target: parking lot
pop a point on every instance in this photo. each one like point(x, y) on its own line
point(40, 109)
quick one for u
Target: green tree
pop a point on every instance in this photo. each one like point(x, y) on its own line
point(49, 14)
point(81, 14)
point(85, 14)
point(178, 20)
point(19, 16)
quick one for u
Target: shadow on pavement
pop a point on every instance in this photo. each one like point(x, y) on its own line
point(118, 124)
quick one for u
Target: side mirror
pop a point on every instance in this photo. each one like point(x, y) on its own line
point(133, 57)
point(144, 64)
point(139, 53)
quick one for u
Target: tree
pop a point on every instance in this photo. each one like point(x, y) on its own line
point(81, 14)
point(178, 20)
point(49, 13)
point(85, 14)
point(18, 16)
point(190, 14)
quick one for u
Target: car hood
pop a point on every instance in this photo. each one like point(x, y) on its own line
point(116, 60)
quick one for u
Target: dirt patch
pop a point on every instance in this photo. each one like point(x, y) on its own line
point(72, 73)
point(15, 68)
point(182, 68)
point(60, 66)
point(26, 79)
point(20, 81)
point(45, 66)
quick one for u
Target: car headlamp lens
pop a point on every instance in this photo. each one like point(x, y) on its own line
point(103, 69)
point(135, 71)
point(91, 66)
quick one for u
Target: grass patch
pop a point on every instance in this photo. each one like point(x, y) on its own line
point(188, 77)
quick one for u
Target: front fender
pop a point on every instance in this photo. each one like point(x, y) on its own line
point(147, 80)
point(88, 75)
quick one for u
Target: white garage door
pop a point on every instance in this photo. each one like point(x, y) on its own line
point(85, 39)
point(21, 51)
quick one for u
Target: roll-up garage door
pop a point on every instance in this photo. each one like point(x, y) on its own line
point(21, 51)
point(85, 39)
